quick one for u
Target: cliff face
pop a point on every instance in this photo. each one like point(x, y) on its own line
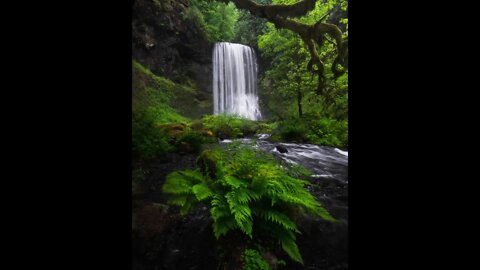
point(167, 39)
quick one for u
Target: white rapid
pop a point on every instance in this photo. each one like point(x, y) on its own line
point(235, 80)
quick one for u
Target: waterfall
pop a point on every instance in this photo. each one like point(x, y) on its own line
point(235, 80)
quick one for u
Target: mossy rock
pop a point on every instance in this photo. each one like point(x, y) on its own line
point(185, 147)
point(173, 130)
point(249, 129)
point(225, 132)
point(151, 220)
point(197, 125)
point(207, 133)
point(207, 161)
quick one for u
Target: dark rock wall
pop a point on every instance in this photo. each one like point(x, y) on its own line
point(167, 39)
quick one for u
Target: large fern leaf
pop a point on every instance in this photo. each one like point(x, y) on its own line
point(234, 181)
point(241, 212)
point(291, 248)
point(279, 218)
point(223, 225)
point(202, 191)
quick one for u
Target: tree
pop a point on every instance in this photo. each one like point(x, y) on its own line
point(313, 34)
point(288, 76)
point(216, 18)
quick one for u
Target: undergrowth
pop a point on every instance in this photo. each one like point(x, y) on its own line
point(247, 191)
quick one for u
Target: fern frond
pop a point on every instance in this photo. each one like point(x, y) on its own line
point(279, 218)
point(291, 248)
point(177, 199)
point(323, 213)
point(234, 181)
point(181, 182)
point(202, 191)
point(189, 203)
point(223, 225)
point(219, 208)
point(241, 212)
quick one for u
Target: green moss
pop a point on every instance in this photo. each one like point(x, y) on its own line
point(164, 95)
point(227, 126)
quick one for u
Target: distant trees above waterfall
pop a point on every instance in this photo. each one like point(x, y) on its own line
point(217, 19)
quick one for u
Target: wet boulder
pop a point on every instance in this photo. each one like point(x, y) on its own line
point(282, 149)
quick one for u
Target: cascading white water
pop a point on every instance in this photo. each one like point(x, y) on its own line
point(235, 80)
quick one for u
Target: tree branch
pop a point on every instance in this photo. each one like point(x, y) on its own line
point(312, 35)
point(296, 10)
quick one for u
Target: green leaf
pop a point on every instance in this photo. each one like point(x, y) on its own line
point(202, 191)
point(234, 181)
point(291, 248)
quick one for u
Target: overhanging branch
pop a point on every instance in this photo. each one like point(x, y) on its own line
point(312, 35)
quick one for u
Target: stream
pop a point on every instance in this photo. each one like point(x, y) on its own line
point(322, 161)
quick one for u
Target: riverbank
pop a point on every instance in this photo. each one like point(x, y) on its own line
point(163, 239)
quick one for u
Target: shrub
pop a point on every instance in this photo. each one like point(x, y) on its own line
point(266, 128)
point(190, 141)
point(248, 192)
point(253, 260)
point(228, 126)
point(294, 131)
point(329, 131)
point(323, 131)
point(148, 141)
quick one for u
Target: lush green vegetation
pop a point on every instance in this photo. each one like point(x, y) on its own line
point(253, 199)
point(249, 27)
point(253, 260)
point(217, 19)
point(246, 191)
point(288, 90)
point(323, 131)
point(157, 128)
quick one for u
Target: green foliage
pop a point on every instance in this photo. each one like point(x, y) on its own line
point(230, 126)
point(266, 128)
point(217, 19)
point(148, 141)
point(250, 27)
point(192, 140)
point(323, 131)
point(152, 94)
point(291, 131)
point(249, 192)
point(157, 128)
point(253, 260)
point(287, 82)
point(182, 185)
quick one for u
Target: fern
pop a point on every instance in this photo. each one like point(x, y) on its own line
point(202, 191)
point(253, 260)
point(291, 248)
point(279, 218)
point(241, 211)
point(248, 186)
